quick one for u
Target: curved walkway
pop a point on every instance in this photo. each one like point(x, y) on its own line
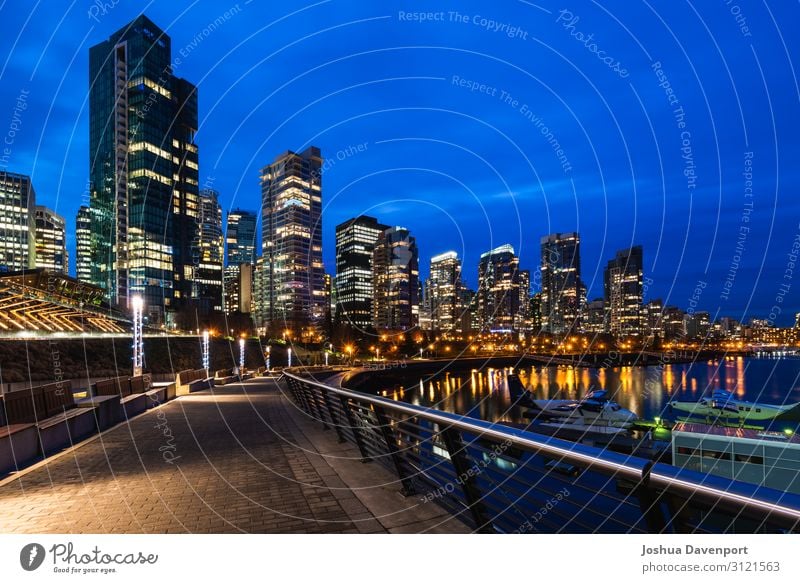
point(239, 458)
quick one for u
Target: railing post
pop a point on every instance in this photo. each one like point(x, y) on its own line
point(650, 505)
point(337, 425)
point(351, 420)
point(394, 451)
point(458, 457)
point(318, 407)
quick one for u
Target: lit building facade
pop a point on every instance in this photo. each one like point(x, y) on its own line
point(623, 292)
point(240, 257)
point(51, 241)
point(240, 237)
point(143, 171)
point(355, 245)
point(595, 320)
point(291, 227)
point(563, 292)
point(395, 281)
point(207, 278)
point(443, 292)
point(83, 245)
point(17, 222)
point(498, 290)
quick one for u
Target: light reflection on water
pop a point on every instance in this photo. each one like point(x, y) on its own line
point(644, 390)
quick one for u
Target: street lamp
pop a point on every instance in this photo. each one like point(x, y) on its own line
point(138, 343)
point(206, 360)
point(289, 353)
point(241, 355)
point(268, 351)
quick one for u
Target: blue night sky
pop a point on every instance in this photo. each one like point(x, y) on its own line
point(467, 167)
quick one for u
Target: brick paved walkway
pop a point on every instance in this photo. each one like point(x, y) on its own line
point(240, 460)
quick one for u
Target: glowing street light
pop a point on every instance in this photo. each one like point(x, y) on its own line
point(289, 353)
point(138, 343)
point(241, 355)
point(268, 352)
point(206, 359)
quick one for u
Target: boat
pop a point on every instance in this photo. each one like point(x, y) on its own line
point(594, 409)
point(723, 405)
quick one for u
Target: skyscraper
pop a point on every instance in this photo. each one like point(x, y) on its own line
point(443, 291)
point(498, 290)
point(562, 289)
point(291, 227)
point(143, 170)
point(623, 292)
point(51, 241)
point(240, 237)
point(207, 278)
point(83, 245)
point(355, 244)
point(240, 257)
point(522, 322)
point(396, 280)
point(17, 222)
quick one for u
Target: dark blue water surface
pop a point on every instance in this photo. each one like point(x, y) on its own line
point(644, 390)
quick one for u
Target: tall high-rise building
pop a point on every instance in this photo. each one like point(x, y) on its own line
point(240, 237)
point(673, 322)
point(143, 170)
point(239, 285)
point(468, 311)
point(83, 245)
point(522, 322)
point(563, 292)
point(17, 222)
point(498, 290)
point(623, 292)
point(355, 244)
point(207, 278)
point(396, 280)
point(653, 319)
point(595, 317)
point(291, 227)
point(240, 257)
point(535, 311)
point(51, 241)
point(443, 292)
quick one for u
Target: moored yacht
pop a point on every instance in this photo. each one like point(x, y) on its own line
point(596, 408)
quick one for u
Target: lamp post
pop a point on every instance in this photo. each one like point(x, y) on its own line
point(206, 359)
point(268, 352)
point(138, 344)
point(241, 355)
point(289, 353)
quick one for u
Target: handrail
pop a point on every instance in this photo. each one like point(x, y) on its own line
point(525, 440)
point(737, 497)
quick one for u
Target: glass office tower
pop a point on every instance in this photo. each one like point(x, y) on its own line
point(143, 171)
point(293, 285)
point(355, 243)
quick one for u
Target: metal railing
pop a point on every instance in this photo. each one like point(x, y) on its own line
point(501, 479)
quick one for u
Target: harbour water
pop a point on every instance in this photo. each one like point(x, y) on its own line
point(644, 390)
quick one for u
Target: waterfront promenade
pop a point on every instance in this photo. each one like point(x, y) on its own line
point(236, 459)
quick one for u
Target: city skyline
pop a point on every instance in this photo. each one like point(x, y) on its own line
point(348, 157)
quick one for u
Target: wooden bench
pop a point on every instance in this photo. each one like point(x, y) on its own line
point(191, 381)
point(19, 443)
point(53, 410)
point(131, 403)
point(225, 376)
point(143, 385)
